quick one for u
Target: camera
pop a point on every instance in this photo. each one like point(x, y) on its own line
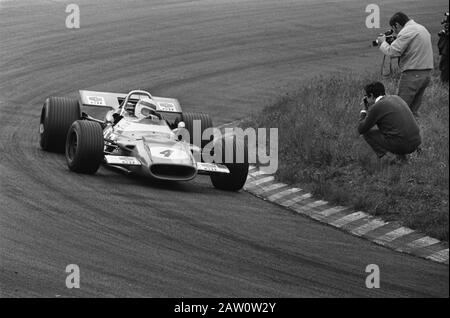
point(365, 102)
point(390, 37)
point(444, 22)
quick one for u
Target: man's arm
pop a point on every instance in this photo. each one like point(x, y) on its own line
point(397, 47)
point(366, 122)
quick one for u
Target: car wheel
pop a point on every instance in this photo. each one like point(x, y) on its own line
point(205, 122)
point(237, 177)
point(84, 146)
point(57, 114)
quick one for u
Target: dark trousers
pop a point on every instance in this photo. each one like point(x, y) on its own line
point(443, 67)
point(412, 86)
point(381, 145)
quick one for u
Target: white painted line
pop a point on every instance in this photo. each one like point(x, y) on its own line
point(252, 184)
point(271, 187)
point(257, 173)
point(349, 218)
point(370, 226)
point(251, 167)
point(441, 256)
point(309, 206)
point(395, 234)
point(422, 242)
point(281, 194)
point(326, 213)
point(294, 200)
point(257, 187)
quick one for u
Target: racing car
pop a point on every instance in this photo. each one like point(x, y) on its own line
point(139, 134)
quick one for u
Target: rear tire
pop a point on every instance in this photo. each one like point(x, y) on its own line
point(237, 177)
point(84, 147)
point(57, 114)
point(205, 120)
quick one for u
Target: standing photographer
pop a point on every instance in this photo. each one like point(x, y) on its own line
point(414, 49)
point(443, 48)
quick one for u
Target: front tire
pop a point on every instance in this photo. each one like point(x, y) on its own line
point(57, 114)
point(84, 147)
point(237, 177)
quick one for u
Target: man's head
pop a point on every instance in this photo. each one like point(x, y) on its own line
point(373, 91)
point(146, 108)
point(398, 21)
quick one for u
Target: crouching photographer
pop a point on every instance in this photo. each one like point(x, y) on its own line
point(397, 132)
point(412, 46)
point(443, 48)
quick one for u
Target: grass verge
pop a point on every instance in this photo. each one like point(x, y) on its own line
point(320, 150)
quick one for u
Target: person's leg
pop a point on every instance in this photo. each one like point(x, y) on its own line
point(411, 88)
point(376, 141)
point(443, 67)
point(422, 83)
point(406, 88)
point(402, 148)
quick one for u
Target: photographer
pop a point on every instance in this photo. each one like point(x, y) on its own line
point(414, 49)
point(397, 131)
point(443, 48)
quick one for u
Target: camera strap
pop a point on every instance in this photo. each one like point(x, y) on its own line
point(382, 67)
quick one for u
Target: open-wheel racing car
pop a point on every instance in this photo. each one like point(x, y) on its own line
point(139, 134)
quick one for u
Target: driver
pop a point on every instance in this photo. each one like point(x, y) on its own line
point(146, 108)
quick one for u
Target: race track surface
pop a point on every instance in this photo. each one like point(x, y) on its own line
point(133, 237)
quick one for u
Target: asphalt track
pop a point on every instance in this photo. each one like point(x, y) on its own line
point(136, 238)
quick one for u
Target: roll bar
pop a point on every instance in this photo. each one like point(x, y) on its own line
point(135, 92)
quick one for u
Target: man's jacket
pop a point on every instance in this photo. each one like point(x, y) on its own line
point(394, 120)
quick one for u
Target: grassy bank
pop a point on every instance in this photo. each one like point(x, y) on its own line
point(321, 151)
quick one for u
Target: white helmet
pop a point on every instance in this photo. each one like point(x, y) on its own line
point(146, 108)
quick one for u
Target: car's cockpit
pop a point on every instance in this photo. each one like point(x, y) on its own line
point(143, 110)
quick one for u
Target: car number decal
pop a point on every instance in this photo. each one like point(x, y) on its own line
point(96, 100)
point(209, 167)
point(122, 160)
point(212, 167)
point(166, 153)
point(167, 107)
point(169, 153)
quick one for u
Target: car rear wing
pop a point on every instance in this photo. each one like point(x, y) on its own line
point(113, 100)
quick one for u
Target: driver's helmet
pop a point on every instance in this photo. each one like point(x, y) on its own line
point(146, 108)
point(130, 108)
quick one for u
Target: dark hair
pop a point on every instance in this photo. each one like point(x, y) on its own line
point(376, 89)
point(399, 18)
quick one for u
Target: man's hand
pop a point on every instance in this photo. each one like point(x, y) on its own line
point(381, 39)
point(362, 114)
point(365, 103)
